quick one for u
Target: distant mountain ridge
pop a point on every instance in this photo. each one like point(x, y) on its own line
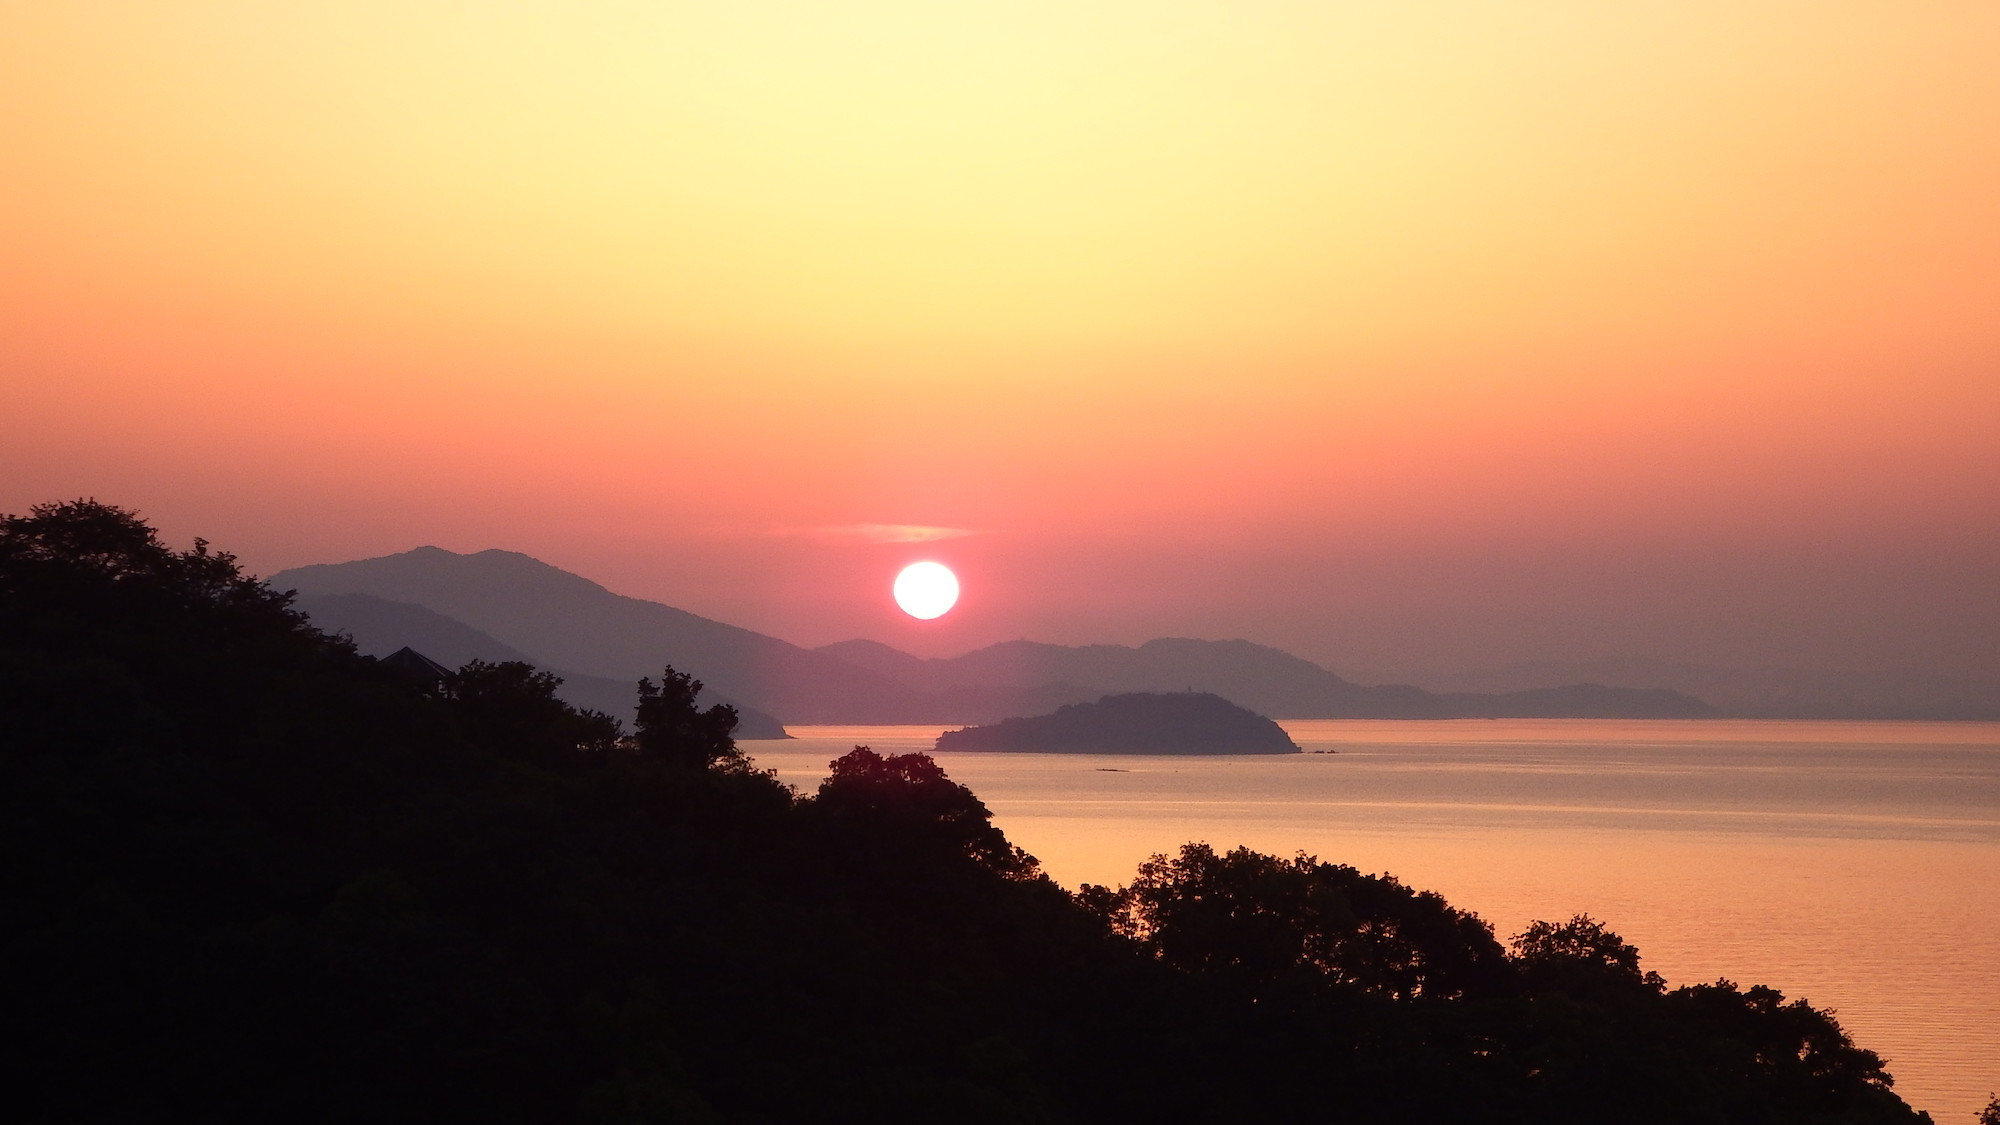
point(379, 627)
point(1266, 680)
point(1760, 693)
point(573, 623)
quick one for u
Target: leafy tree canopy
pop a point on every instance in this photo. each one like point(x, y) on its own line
point(1581, 953)
point(1287, 922)
point(908, 796)
point(674, 730)
point(77, 575)
point(514, 706)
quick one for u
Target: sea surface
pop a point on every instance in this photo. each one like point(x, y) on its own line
point(1852, 864)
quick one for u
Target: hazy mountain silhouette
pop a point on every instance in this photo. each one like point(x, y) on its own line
point(967, 693)
point(569, 622)
point(576, 624)
point(1763, 693)
point(1578, 701)
point(1178, 722)
point(379, 627)
point(1249, 674)
point(1263, 679)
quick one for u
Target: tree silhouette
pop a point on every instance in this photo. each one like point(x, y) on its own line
point(1280, 924)
point(1786, 1042)
point(513, 707)
point(673, 729)
point(79, 574)
point(1580, 955)
point(907, 797)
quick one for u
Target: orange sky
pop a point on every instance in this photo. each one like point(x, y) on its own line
point(1407, 337)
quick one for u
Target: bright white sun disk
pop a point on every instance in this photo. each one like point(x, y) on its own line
point(926, 590)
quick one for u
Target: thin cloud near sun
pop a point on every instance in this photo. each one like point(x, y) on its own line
point(878, 532)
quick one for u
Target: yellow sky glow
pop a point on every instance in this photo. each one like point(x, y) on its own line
point(1302, 267)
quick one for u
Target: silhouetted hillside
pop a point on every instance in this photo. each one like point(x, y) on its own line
point(379, 627)
point(252, 875)
point(1134, 723)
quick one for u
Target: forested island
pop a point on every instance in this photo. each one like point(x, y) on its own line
point(1183, 722)
point(252, 875)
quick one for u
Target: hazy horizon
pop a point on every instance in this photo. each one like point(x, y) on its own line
point(1772, 692)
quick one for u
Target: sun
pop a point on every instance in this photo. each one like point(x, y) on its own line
point(926, 590)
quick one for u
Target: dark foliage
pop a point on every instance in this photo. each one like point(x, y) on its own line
point(512, 708)
point(1581, 957)
point(1291, 926)
point(251, 876)
point(903, 806)
point(673, 730)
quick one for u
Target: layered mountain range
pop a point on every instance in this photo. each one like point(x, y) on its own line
point(1767, 692)
point(502, 605)
point(379, 627)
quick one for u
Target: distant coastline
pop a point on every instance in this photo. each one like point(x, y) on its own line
point(498, 604)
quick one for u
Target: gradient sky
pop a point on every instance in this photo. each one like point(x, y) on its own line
point(1407, 337)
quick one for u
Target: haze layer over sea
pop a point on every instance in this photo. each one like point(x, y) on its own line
point(1853, 864)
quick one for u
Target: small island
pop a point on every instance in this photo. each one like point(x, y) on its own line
point(1138, 723)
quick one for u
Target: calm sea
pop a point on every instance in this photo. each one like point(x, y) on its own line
point(1856, 865)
